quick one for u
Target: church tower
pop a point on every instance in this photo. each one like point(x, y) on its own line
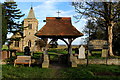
point(30, 28)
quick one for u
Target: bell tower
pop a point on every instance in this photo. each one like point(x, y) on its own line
point(30, 28)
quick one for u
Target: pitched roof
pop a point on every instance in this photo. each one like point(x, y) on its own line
point(17, 35)
point(58, 27)
point(31, 13)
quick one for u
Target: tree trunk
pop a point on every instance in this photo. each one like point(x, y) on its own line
point(110, 37)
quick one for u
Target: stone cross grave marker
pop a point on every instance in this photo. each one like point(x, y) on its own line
point(81, 52)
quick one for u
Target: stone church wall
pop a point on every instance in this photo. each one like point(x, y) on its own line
point(19, 49)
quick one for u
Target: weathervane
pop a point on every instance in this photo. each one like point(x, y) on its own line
point(58, 13)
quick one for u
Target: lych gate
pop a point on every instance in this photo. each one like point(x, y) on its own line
point(58, 28)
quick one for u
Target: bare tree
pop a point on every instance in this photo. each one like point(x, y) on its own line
point(107, 12)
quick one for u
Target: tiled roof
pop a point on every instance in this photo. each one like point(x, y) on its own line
point(58, 27)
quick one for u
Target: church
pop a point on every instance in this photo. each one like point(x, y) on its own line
point(54, 29)
point(27, 37)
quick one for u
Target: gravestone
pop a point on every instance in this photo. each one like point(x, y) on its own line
point(81, 52)
point(12, 52)
point(5, 54)
point(104, 53)
point(89, 54)
point(99, 45)
point(27, 51)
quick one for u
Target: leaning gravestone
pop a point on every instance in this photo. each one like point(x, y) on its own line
point(81, 52)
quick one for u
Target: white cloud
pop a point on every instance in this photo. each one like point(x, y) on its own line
point(49, 9)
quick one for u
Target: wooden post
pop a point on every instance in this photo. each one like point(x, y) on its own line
point(69, 46)
point(69, 49)
point(72, 59)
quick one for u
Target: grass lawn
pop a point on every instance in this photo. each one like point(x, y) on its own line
point(93, 72)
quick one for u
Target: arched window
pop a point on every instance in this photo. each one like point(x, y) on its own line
point(16, 43)
point(29, 43)
point(30, 26)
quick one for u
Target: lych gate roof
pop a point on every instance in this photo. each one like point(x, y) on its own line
point(58, 27)
point(31, 13)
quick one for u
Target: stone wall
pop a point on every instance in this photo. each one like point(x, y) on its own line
point(99, 61)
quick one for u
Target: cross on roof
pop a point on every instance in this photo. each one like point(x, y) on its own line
point(58, 13)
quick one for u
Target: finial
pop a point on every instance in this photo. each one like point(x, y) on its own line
point(58, 13)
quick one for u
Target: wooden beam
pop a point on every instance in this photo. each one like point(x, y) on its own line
point(64, 41)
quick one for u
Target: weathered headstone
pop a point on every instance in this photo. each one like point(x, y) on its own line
point(81, 52)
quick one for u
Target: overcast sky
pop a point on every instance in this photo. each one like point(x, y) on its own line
point(48, 8)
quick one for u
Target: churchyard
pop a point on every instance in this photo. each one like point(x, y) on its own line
point(59, 69)
point(37, 54)
point(90, 65)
